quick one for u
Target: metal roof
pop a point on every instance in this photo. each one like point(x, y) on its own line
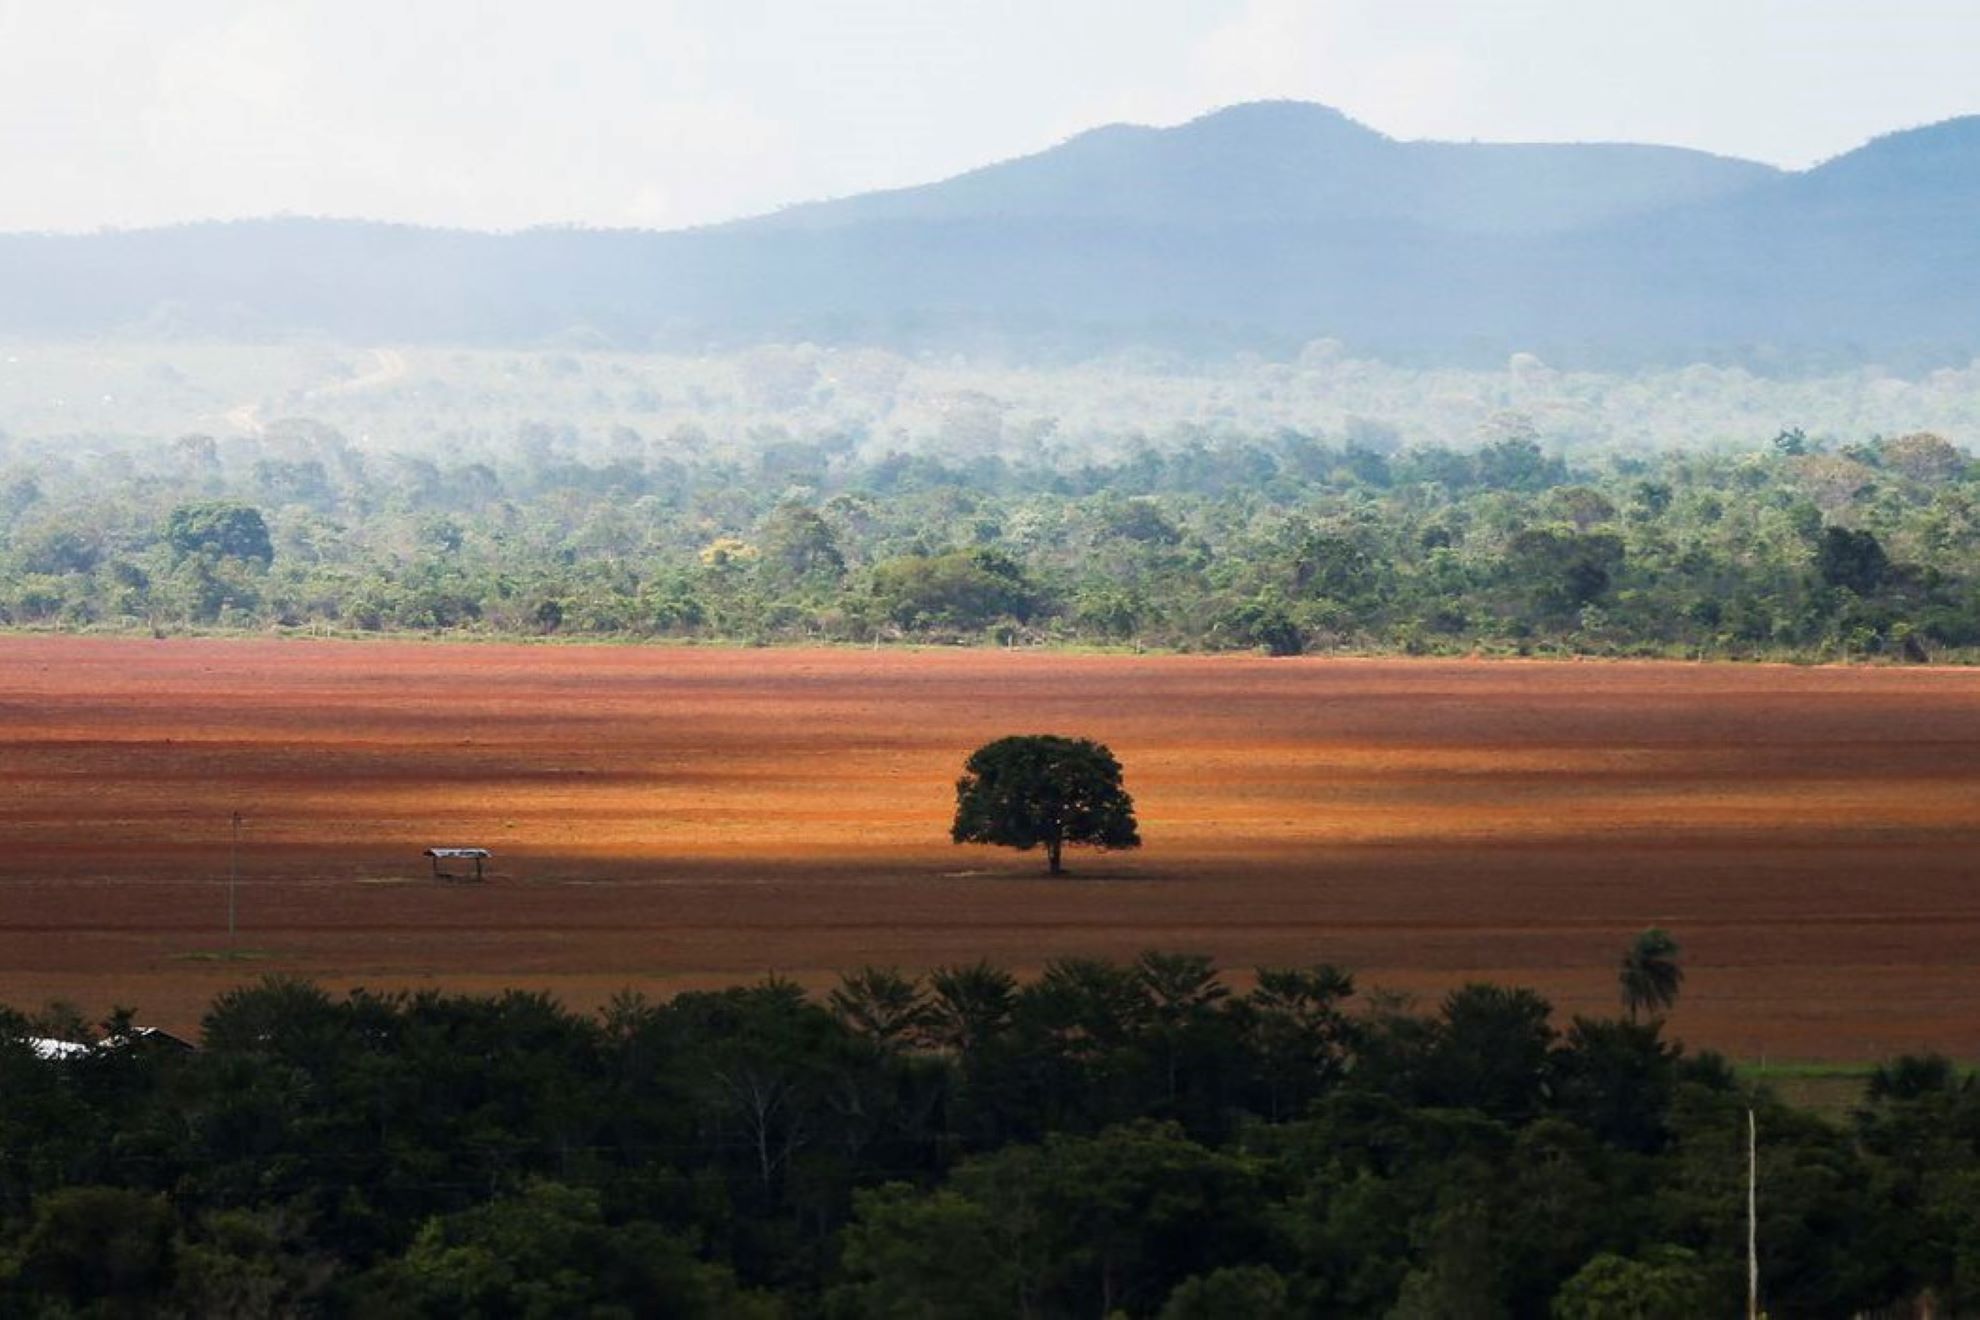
point(458, 852)
point(49, 1048)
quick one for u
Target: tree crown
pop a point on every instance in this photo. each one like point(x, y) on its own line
point(1039, 789)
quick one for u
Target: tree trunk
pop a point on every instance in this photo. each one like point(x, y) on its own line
point(1052, 847)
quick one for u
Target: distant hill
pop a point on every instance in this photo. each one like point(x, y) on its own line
point(1289, 163)
point(1259, 226)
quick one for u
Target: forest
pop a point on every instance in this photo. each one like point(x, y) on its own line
point(1141, 1139)
point(1288, 540)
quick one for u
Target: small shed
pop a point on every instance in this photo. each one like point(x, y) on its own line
point(476, 855)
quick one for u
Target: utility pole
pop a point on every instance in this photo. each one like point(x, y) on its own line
point(233, 876)
point(1752, 1222)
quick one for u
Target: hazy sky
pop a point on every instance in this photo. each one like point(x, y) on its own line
point(500, 114)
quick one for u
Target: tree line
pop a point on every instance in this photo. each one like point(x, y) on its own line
point(1285, 543)
point(1137, 1139)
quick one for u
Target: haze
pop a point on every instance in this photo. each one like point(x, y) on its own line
point(608, 113)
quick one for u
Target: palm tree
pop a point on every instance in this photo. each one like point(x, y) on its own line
point(880, 1004)
point(968, 1005)
point(1650, 975)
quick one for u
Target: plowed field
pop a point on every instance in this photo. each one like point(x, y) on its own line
point(667, 816)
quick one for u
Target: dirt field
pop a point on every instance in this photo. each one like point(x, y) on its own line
point(663, 817)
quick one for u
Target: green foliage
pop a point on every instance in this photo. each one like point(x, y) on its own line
point(1285, 541)
point(1300, 1034)
point(908, 1256)
point(1562, 571)
point(969, 1005)
point(1665, 1283)
point(546, 1252)
point(221, 528)
point(962, 589)
point(1332, 566)
point(1852, 559)
point(1459, 1278)
point(102, 1250)
point(1077, 1226)
point(1138, 1138)
point(1033, 790)
point(1260, 623)
point(881, 1004)
point(800, 546)
point(1258, 1292)
point(1141, 520)
point(1491, 1052)
point(1617, 1080)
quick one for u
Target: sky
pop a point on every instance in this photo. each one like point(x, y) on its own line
point(503, 114)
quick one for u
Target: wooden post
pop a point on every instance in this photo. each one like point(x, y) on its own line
point(233, 876)
point(1752, 1221)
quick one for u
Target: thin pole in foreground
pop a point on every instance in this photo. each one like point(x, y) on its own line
point(233, 876)
point(1752, 1222)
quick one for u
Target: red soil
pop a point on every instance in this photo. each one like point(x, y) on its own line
point(663, 817)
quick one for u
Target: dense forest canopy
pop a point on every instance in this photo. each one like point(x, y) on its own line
point(801, 494)
point(1143, 1139)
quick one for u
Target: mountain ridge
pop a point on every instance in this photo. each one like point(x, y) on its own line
point(1257, 226)
point(1263, 142)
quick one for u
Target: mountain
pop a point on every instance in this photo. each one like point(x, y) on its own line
point(1285, 162)
point(1872, 255)
point(1259, 226)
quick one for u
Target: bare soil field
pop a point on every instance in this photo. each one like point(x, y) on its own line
point(663, 817)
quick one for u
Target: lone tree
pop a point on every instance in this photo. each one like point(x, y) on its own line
point(1650, 975)
point(1039, 788)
